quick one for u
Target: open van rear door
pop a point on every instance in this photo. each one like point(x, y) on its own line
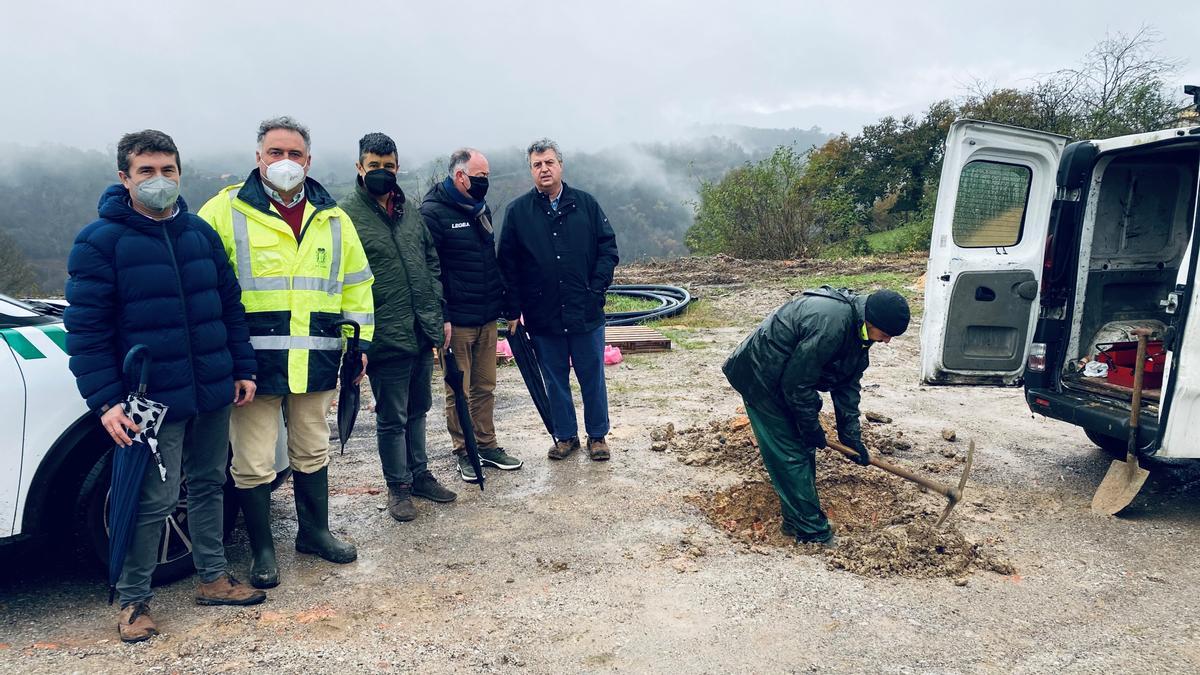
point(987, 250)
point(1177, 435)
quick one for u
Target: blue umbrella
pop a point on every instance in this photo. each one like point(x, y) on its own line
point(129, 466)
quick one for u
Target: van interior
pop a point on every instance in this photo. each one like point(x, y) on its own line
point(1135, 236)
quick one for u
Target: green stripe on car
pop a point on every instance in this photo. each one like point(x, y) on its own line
point(21, 344)
point(56, 333)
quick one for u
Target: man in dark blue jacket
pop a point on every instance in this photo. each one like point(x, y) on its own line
point(148, 272)
point(557, 255)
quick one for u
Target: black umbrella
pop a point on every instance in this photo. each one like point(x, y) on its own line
point(531, 372)
point(349, 393)
point(129, 466)
point(454, 377)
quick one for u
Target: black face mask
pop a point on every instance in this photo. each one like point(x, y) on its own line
point(379, 182)
point(478, 189)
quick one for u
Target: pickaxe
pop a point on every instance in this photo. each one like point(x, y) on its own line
point(952, 494)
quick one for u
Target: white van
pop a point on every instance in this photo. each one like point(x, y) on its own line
point(1046, 255)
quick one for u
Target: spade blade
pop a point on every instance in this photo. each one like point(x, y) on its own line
point(1120, 486)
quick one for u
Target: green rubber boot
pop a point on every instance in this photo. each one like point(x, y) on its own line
point(256, 509)
point(312, 513)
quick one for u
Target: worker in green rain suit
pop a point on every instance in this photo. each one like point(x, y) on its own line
point(818, 341)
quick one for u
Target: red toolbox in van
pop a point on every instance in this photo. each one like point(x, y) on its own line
point(1120, 357)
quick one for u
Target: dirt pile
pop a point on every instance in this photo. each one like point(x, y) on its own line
point(915, 549)
point(731, 444)
point(884, 524)
point(727, 443)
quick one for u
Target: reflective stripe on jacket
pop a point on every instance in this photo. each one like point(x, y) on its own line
point(294, 292)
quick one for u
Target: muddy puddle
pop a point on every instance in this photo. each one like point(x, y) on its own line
point(884, 524)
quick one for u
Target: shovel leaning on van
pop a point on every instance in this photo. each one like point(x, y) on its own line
point(1125, 479)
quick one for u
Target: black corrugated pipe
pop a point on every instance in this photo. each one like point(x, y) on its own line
point(672, 301)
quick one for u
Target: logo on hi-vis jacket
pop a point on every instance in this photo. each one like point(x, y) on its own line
point(30, 342)
point(322, 258)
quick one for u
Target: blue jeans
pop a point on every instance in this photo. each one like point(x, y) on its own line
point(403, 395)
point(557, 354)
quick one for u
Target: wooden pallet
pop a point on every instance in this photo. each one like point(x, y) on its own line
point(636, 339)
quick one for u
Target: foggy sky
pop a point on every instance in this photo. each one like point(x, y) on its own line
point(436, 75)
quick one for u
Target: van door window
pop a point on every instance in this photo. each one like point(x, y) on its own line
point(990, 209)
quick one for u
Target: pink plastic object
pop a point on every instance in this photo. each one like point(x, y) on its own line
point(612, 355)
point(503, 349)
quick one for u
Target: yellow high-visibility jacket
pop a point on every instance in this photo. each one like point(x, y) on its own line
point(294, 292)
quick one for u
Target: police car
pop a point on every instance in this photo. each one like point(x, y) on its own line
point(54, 456)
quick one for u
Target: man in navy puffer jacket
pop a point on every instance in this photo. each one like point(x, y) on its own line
point(148, 272)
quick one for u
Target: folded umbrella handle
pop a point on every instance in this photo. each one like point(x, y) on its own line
point(449, 364)
point(131, 358)
point(351, 345)
point(350, 322)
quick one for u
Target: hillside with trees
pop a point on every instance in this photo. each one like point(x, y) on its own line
point(49, 192)
point(884, 179)
point(747, 192)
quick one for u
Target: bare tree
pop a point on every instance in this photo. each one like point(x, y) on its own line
point(1119, 88)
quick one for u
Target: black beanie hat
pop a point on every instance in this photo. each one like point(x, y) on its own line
point(888, 311)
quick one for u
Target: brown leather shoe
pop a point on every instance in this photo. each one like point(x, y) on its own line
point(134, 623)
point(563, 449)
point(226, 590)
point(597, 449)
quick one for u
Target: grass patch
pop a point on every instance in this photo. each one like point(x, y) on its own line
point(912, 236)
point(682, 339)
point(867, 281)
point(626, 303)
point(642, 361)
point(699, 314)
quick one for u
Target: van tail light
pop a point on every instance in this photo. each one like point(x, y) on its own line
point(1047, 262)
point(1037, 357)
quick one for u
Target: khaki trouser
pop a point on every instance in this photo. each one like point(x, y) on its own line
point(254, 430)
point(474, 349)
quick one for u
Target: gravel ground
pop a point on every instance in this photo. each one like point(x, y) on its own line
point(581, 566)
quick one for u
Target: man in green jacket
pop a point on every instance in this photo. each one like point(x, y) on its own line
point(408, 323)
point(818, 341)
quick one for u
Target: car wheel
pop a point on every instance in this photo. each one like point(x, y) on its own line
point(1112, 445)
point(174, 546)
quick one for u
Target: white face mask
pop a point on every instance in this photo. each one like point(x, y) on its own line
point(157, 193)
point(285, 174)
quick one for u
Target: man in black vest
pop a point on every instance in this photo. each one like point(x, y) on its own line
point(460, 223)
point(557, 254)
